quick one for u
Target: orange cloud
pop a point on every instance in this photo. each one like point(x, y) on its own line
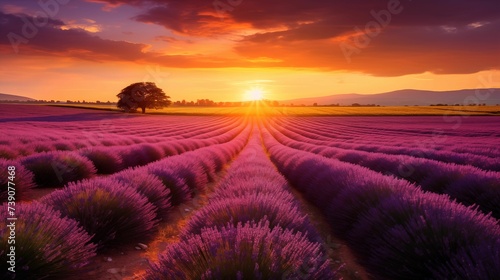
point(325, 35)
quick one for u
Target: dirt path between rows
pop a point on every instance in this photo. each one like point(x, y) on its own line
point(337, 250)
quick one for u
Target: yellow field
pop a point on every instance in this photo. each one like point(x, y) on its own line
point(388, 111)
point(318, 111)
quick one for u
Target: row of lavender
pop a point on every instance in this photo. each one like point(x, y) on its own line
point(472, 134)
point(251, 228)
point(467, 184)
point(425, 147)
point(67, 136)
point(396, 230)
point(63, 231)
point(52, 169)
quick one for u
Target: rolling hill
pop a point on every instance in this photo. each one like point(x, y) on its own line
point(11, 97)
point(407, 97)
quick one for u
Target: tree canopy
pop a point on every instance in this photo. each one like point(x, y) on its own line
point(142, 95)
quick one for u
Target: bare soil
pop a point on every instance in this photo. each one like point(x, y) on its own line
point(338, 252)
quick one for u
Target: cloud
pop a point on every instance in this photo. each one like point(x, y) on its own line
point(458, 36)
point(335, 14)
point(172, 40)
point(396, 52)
point(12, 9)
point(425, 35)
point(53, 39)
point(57, 38)
point(89, 26)
point(109, 5)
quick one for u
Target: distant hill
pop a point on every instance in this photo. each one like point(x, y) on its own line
point(10, 97)
point(406, 97)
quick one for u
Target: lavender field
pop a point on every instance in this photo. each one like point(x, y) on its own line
point(250, 196)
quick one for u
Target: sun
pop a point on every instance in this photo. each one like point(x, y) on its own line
point(254, 94)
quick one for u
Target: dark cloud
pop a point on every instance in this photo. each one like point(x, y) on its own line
point(183, 20)
point(170, 39)
point(50, 39)
point(447, 36)
point(304, 31)
point(396, 51)
point(24, 33)
point(340, 13)
point(116, 3)
point(420, 36)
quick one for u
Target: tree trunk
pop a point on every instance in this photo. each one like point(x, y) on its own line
point(143, 110)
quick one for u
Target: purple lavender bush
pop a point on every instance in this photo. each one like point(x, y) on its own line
point(365, 197)
point(253, 207)
point(150, 186)
point(479, 262)
point(141, 154)
point(179, 190)
point(396, 230)
point(105, 160)
point(240, 187)
point(219, 157)
point(419, 234)
point(113, 213)
point(206, 161)
point(57, 168)
point(468, 184)
point(243, 252)
point(7, 152)
point(168, 149)
point(47, 246)
point(192, 172)
point(482, 190)
point(23, 181)
point(39, 147)
point(63, 145)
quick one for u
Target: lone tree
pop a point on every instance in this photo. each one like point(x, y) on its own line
point(142, 95)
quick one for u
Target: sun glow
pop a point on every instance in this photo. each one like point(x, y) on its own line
point(254, 94)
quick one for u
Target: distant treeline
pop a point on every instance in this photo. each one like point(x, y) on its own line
point(56, 101)
point(211, 103)
point(472, 104)
point(197, 103)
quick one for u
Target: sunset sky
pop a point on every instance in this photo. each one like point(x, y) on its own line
point(223, 49)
